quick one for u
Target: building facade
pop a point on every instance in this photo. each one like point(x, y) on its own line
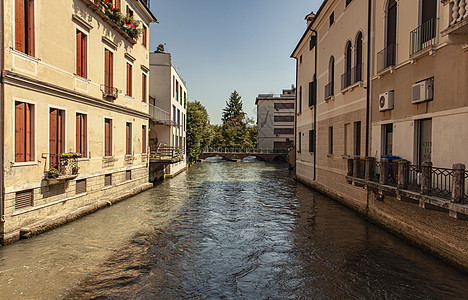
point(168, 96)
point(419, 84)
point(331, 103)
point(76, 114)
point(275, 120)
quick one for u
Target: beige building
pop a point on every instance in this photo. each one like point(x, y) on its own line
point(168, 108)
point(275, 120)
point(75, 77)
point(331, 99)
point(419, 82)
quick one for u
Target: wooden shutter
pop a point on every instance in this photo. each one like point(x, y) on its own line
point(84, 56)
point(129, 79)
point(129, 138)
point(107, 179)
point(79, 55)
point(80, 186)
point(79, 128)
point(60, 132)
point(143, 87)
point(117, 4)
point(20, 132)
point(84, 135)
point(143, 139)
point(53, 137)
point(144, 36)
point(31, 42)
point(29, 153)
point(111, 70)
point(20, 31)
point(108, 137)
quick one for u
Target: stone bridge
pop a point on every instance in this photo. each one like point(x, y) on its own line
point(232, 154)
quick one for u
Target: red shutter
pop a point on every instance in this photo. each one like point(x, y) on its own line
point(20, 26)
point(19, 132)
point(29, 135)
point(111, 70)
point(84, 56)
point(31, 27)
point(84, 136)
point(144, 36)
point(61, 131)
point(107, 139)
point(129, 138)
point(79, 55)
point(129, 79)
point(78, 133)
point(53, 137)
point(106, 70)
point(117, 4)
point(143, 88)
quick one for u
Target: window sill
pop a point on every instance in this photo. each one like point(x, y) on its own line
point(83, 79)
point(352, 87)
point(330, 98)
point(330, 155)
point(25, 56)
point(84, 159)
point(106, 187)
point(24, 164)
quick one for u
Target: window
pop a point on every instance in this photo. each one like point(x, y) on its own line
point(346, 78)
point(81, 54)
point(358, 61)
point(144, 36)
point(178, 117)
point(128, 175)
point(312, 141)
point(173, 86)
point(24, 132)
point(108, 137)
point(330, 87)
point(428, 20)
point(387, 139)
point(80, 187)
point(177, 90)
point(129, 79)
point(279, 131)
point(81, 134)
point(129, 12)
point(174, 117)
point(128, 138)
point(24, 26)
point(143, 139)
point(185, 99)
point(299, 143)
point(424, 140)
point(24, 199)
point(108, 71)
point(279, 106)
point(390, 49)
point(56, 136)
point(180, 100)
point(300, 99)
point(117, 4)
point(107, 179)
point(313, 93)
point(332, 18)
point(284, 118)
point(330, 140)
point(313, 42)
point(357, 138)
point(143, 87)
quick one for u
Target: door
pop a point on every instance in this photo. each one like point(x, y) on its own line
point(425, 140)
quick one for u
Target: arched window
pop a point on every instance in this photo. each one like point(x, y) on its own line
point(358, 61)
point(330, 87)
point(391, 33)
point(346, 79)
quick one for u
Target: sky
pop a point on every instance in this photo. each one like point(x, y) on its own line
point(218, 46)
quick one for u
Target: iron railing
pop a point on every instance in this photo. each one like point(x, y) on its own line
point(63, 164)
point(357, 73)
point(441, 185)
point(248, 151)
point(423, 36)
point(165, 153)
point(465, 191)
point(159, 114)
point(392, 173)
point(109, 92)
point(329, 90)
point(346, 79)
point(386, 57)
point(414, 178)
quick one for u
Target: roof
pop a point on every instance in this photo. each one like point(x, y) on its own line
point(309, 27)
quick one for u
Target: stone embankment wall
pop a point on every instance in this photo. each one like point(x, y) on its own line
point(432, 230)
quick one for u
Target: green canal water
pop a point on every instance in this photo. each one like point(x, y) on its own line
point(224, 230)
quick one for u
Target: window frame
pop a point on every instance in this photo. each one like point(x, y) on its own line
point(108, 152)
point(31, 152)
point(129, 79)
point(128, 138)
point(24, 26)
point(81, 53)
point(81, 144)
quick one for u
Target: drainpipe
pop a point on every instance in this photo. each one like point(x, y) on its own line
point(295, 120)
point(368, 90)
point(2, 118)
point(316, 99)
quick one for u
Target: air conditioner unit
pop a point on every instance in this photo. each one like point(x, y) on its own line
point(422, 91)
point(386, 101)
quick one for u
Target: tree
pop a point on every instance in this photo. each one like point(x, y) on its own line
point(237, 130)
point(199, 131)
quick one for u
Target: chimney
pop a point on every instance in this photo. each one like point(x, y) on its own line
point(310, 18)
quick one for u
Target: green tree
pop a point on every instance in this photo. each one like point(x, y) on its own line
point(233, 109)
point(199, 130)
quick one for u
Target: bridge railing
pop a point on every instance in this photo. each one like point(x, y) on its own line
point(246, 151)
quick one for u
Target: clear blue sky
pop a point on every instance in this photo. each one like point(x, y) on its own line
point(219, 46)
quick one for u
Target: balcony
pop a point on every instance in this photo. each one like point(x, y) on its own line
point(160, 116)
point(62, 167)
point(329, 90)
point(166, 154)
point(423, 37)
point(109, 92)
point(458, 27)
point(352, 76)
point(386, 57)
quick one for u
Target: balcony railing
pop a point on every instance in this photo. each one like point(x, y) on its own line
point(159, 115)
point(386, 57)
point(424, 36)
point(166, 154)
point(109, 92)
point(351, 76)
point(329, 90)
point(346, 79)
point(63, 166)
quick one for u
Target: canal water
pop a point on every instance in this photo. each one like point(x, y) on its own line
point(224, 230)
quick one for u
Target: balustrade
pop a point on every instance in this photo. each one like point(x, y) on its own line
point(459, 11)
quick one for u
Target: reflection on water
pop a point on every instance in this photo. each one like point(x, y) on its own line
point(224, 230)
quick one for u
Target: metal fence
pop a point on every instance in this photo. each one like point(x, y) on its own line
point(252, 151)
point(159, 114)
point(442, 181)
point(423, 36)
point(414, 178)
point(465, 192)
point(386, 57)
point(329, 90)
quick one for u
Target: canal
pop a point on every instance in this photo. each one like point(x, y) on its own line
point(224, 230)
